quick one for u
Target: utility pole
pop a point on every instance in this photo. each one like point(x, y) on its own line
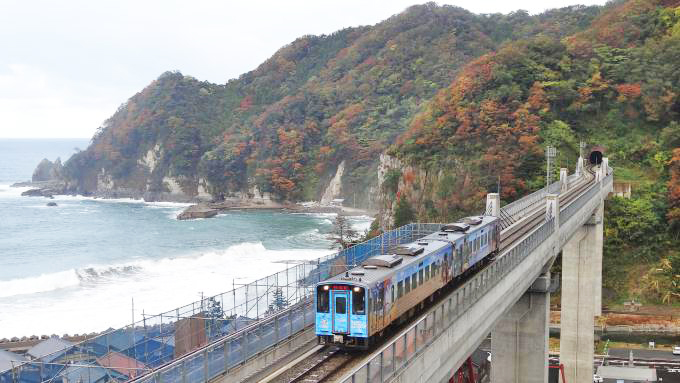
point(550, 154)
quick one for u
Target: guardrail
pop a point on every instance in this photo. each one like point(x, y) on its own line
point(221, 356)
point(577, 204)
point(397, 354)
point(514, 211)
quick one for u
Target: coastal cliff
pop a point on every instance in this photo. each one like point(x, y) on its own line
point(318, 113)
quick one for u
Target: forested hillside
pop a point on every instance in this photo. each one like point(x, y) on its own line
point(286, 126)
point(614, 83)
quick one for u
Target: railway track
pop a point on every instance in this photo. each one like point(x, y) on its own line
point(514, 232)
point(321, 366)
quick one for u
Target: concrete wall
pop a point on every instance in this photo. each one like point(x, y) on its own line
point(266, 359)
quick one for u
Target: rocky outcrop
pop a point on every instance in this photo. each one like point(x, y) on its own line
point(334, 187)
point(48, 171)
point(197, 211)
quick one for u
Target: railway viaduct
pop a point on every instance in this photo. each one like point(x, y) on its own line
point(515, 307)
point(508, 298)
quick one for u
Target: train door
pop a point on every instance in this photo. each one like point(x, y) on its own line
point(381, 304)
point(340, 301)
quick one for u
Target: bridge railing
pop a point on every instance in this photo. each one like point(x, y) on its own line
point(577, 204)
point(516, 210)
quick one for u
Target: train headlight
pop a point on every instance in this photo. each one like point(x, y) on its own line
point(325, 287)
point(357, 289)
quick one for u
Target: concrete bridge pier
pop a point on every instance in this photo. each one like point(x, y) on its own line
point(581, 298)
point(519, 342)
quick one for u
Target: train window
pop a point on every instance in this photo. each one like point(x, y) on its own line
point(340, 304)
point(322, 300)
point(460, 251)
point(420, 277)
point(407, 282)
point(427, 272)
point(400, 289)
point(358, 301)
point(414, 280)
point(392, 294)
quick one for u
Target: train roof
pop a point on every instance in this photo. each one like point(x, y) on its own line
point(456, 230)
point(377, 268)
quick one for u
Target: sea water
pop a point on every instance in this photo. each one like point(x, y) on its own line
point(76, 267)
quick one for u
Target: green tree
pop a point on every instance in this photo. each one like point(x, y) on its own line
point(278, 300)
point(403, 213)
point(342, 234)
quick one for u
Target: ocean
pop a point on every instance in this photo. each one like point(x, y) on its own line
point(76, 267)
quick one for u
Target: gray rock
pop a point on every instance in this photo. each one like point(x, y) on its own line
point(48, 171)
point(51, 204)
point(197, 211)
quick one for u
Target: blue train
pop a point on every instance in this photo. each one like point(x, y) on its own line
point(355, 307)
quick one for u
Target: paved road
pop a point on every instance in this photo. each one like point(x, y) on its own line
point(643, 354)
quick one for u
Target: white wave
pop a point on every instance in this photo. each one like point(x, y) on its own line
point(361, 223)
point(309, 235)
point(319, 215)
point(41, 283)
point(167, 205)
point(7, 191)
point(93, 298)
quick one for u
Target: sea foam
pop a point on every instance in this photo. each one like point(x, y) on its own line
point(96, 297)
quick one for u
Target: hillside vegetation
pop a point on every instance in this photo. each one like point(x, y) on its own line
point(460, 102)
point(614, 83)
point(286, 126)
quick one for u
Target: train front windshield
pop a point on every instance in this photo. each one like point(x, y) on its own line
point(322, 299)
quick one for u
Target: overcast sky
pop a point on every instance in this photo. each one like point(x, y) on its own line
point(65, 66)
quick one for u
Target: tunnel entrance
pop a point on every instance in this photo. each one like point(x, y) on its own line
point(596, 157)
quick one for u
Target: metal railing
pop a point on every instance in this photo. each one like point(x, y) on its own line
point(516, 210)
point(577, 204)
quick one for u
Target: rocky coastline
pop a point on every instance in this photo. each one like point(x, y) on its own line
point(48, 181)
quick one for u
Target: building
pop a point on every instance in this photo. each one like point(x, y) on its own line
point(122, 364)
point(9, 359)
point(617, 374)
point(51, 350)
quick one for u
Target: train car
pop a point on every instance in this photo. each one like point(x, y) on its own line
point(354, 307)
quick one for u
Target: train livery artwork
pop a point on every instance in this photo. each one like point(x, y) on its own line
point(355, 307)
